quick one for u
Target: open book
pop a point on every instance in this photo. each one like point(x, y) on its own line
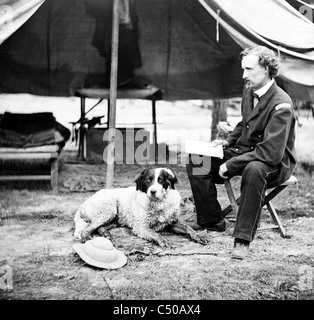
point(204, 148)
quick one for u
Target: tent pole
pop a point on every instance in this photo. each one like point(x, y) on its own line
point(155, 129)
point(82, 130)
point(108, 112)
point(48, 48)
point(113, 92)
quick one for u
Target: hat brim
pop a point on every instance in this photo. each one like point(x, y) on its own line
point(120, 262)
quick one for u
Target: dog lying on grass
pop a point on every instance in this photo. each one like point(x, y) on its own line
point(153, 205)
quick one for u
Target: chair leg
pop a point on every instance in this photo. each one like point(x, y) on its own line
point(232, 199)
point(271, 208)
point(274, 215)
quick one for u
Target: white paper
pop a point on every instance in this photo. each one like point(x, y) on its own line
point(204, 148)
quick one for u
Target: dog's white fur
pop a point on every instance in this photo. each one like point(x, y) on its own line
point(146, 213)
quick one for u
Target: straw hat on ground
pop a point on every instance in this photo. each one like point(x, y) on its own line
point(100, 252)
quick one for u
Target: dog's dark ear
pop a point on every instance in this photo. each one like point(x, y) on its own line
point(171, 177)
point(139, 180)
point(173, 180)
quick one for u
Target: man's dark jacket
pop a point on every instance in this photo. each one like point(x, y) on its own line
point(266, 133)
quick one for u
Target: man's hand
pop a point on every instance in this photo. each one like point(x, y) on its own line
point(223, 170)
point(217, 142)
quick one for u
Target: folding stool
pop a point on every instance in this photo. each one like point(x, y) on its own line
point(270, 194)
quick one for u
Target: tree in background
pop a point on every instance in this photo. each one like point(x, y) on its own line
point(219, 114)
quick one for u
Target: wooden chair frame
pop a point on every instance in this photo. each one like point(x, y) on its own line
point(270, 194)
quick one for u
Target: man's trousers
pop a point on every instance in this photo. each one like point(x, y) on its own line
point(203, 173)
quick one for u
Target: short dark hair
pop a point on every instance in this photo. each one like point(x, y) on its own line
point(266, 58)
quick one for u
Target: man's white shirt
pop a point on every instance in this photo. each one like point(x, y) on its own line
point(261, 91)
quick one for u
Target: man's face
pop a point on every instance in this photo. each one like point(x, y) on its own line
point(254, 75)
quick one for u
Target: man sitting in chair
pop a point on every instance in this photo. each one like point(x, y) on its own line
point(260, 149)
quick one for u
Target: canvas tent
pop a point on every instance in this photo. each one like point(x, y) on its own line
point(188, 48)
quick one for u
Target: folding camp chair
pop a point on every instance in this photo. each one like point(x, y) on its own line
point(270, 194)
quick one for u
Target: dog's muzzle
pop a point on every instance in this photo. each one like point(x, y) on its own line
point(156, 193)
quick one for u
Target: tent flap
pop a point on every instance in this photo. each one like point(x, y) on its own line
point(13, 14)
point(288, 33)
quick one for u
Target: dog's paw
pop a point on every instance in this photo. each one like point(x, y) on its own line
point(77, 237)
point(86, 236)
point(159, 240)
point(163, 242)
point(102, 231)
point(201, 237)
